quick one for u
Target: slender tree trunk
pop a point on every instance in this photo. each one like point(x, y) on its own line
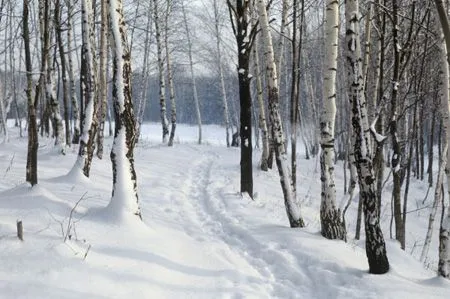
point(292, 209)
point(173, 107)
point(103, 86)
point(145, 76)
point(330, 216)
point(73, 94)
point(226, 117)
point(162, 83)
point(82, 163)
point(31, 168)
point(64, 72)
point(124, 199)
point(194, 84)
point(444, 232)
point(397, 156)
point(375, 245)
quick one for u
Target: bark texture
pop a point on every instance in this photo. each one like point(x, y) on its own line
point(291, 205)
point(375, 245)
point(330, 216)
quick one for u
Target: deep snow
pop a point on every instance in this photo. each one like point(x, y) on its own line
point(199, 237)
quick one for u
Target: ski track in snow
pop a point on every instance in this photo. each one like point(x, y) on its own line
point(201, 238)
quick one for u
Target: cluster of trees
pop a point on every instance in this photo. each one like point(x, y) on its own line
point(366, 84)
point(379, 99)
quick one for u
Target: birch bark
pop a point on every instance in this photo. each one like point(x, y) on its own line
point(375, 245)
point(330, 215)
point(124, 198)
point(292, 208)
point(444, 232)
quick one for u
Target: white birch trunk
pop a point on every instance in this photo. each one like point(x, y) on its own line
point(88, 89)
point(173, 107)
point(444, 232)
point(73, 95)
point(162, 83)
point(226, 118)
point(142, 103)
point(375, 245)
point(191, 67)
point(291, 204)
point(330, 216)
point(103, 86)
point(262, 111)
point(124, 200)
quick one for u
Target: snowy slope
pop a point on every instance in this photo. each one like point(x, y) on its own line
point(199, 237)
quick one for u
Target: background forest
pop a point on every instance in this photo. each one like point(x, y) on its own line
point(359, 87)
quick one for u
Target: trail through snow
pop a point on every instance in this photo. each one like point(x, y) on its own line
point(199, 237)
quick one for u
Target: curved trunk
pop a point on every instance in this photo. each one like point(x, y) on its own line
point(292, 209)
point(375, 245)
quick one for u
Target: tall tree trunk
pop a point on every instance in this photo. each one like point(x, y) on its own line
point(162, 83)
point(375, 245)
point(226, 117)
point(73, 94)
point(444, 232)
point(142, 103)
point(264, 164)
point(173, 107)
point(397, 156)
point(31, 168)
point(82, 163)
point(330, 216)
point(191, 67)
point(124, 199)
point(64, 72)
point(292, 209)
point(103, 86)
point(244, 40)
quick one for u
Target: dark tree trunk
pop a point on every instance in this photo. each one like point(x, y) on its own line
point(244, 38)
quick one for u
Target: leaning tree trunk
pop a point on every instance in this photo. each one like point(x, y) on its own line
point(444, 232)
point(31, 168)
point(330, 215)
point(124, 199)
point(191, 67)
point(375, 245)
point(292, 209)
point(162, 83)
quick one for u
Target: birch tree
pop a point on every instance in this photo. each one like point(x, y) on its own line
point(444, 232)
point(125, 198)
point(375, 245)
point(191, 68)
point(31, 167)
point(83, 162)
point(226, 118)
point(330, 216)
point(292, 209)
point(162, 84)
point(103, 87)
point(173, 107)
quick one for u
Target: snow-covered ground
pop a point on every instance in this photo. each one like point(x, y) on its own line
point(199, 238)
